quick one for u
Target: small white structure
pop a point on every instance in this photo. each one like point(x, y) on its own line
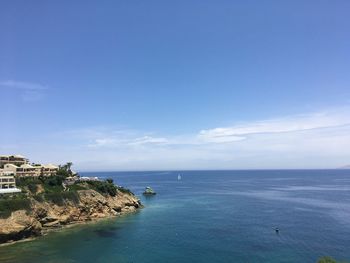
point(85, 178)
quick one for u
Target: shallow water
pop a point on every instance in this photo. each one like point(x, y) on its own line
point(212, 216)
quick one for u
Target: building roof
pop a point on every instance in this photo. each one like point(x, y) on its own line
point(19, 156)
point(14, 155)
point(11, 165)
point(50, 166)
point(26, 166)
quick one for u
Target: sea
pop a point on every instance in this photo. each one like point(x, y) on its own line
point(211, 216)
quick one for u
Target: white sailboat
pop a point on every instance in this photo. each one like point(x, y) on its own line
point(178, 177)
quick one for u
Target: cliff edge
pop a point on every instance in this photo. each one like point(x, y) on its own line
point(39, 209)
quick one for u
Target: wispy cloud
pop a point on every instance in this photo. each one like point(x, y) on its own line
point(295, 123)
point(109, 137)
point(117, 142)
point(148, 140)
point(312, 140)
point(27, 91)
point(22, 85)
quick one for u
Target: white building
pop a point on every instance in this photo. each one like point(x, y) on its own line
point(12, 159)
point(29, 170)
point(8, 184)
point(45, 169)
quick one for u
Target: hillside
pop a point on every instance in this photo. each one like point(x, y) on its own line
point(45, 203)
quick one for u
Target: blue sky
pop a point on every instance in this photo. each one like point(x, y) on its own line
point(133, 85)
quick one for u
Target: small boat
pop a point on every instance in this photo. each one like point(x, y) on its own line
point(149, 191)
point(178, 177)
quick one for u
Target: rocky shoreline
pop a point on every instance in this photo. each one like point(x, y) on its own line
point(47, 216)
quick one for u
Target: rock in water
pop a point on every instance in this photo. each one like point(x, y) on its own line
point(149, 191)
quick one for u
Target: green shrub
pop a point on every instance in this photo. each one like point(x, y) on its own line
point(105, 187)
point(52, 184)
point(26, 181)
point(54, 180)
point(326, 260)
point(60, 198)
point(65, 170)
point(49, 183)
point(10, 205)
point(71, 196)
point(62, 172)
point(33, 187)
point(109, 180)
point(76, 187)
point(40, 198)
point(55, 198)
point(124, 190)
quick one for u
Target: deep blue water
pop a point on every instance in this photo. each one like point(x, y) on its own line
point(212, 216)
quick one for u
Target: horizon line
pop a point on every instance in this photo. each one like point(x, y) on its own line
point(199, 170)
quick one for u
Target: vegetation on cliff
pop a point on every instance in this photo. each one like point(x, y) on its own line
point(327, 260)
point(52, 189)
point(61, 199)
point(47, 202)
point(11, 203)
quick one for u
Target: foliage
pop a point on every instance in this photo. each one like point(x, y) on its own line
point(124, 190)
point(26, 181)
point(77, 186)
point(109, 180)
point(55, 198)
point(40, 198)
point(71, 196)
point(33, 188)
point(326, 260)
point(49, 183)
point(53, 181)
point(12, 204)
point(62, 172)
point(103, 187)
point(53, 191)
point(65, 170)
point(60, 198)
point(30, 183)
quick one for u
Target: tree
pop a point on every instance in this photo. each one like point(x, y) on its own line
point(109, 180)
point(65, 169)
point(69, 165)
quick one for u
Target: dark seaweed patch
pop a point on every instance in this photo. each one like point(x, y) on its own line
point(106, 233)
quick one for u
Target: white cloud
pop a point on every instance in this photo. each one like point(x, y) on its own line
point(27, 91)
point(22, 85)
point(117, 139)
point(103, 142)
point(318, 120)
point(313, 140)
point(148, 140)
point(114, 142)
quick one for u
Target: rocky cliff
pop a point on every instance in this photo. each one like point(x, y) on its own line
point(45, 215)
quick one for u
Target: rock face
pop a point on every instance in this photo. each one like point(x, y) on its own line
point(45, 215)
point(19, 226)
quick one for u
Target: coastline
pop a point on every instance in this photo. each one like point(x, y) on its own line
point(48, 231)
point(45, 216)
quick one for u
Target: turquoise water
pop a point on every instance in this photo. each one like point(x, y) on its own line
point(212, 216)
